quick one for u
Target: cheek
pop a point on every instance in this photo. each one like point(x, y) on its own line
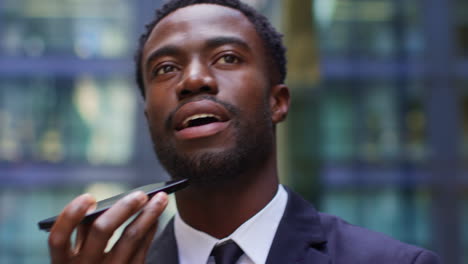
point(246, 88)
point(160, 96)
point(156, 110)
point(254, 95)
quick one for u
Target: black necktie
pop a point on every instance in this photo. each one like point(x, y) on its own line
point(227, 253)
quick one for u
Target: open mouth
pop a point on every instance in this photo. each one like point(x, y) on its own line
point(199, 120)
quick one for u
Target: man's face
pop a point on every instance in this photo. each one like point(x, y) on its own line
point(207, 93)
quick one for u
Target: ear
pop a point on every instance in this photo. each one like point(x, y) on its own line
point(279, 102)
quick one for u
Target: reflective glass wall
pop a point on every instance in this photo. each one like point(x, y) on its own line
point(70, 114)
point(378, 135)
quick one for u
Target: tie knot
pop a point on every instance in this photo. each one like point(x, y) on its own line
point(227, 253)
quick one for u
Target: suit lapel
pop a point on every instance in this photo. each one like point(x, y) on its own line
point(164, 248)
point(299, 237)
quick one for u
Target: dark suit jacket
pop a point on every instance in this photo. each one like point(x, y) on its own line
point(307, 236)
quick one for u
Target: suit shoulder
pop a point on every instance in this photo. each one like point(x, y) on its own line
point(164, 247)
point(347, 241)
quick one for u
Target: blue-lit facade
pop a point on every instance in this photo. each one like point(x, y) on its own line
point(377, 133)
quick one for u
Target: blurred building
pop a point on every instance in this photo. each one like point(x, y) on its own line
point(377, 134)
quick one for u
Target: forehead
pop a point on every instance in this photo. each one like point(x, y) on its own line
point(202, 21)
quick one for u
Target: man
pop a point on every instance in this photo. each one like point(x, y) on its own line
point(212, 74)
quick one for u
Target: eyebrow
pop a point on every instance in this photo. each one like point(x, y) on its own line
point(220, 41)
point(173, 50)
point(169, 50)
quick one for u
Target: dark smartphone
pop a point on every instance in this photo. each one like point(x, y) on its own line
point(103, 205)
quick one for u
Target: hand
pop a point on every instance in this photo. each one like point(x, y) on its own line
point(92, 238)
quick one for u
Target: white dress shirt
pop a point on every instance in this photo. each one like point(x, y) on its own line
point(254, 237)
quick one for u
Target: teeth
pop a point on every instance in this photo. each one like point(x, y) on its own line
point(188, 119)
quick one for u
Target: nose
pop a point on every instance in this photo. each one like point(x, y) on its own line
point(198, 79)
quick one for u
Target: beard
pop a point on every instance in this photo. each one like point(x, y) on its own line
point(254, 141)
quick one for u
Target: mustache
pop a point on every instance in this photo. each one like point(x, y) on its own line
point(229, 107)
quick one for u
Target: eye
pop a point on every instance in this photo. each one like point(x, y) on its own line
point(164, 70)
point(228, 59)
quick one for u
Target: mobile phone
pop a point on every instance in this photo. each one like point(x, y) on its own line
point(103, 205)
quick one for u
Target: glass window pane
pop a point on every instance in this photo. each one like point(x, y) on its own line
point(83, 119)
point(464, 220)
point(461, 22)
point(337, 122)
point(402, 214)
point(85, 28)
point(463, 89)
point(373, 121)
point(21, 209)
point(368, 29)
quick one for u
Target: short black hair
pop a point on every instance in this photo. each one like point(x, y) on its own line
point(276, 51)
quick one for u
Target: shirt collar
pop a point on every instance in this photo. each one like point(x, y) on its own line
point(254, 237)
point(193, 246)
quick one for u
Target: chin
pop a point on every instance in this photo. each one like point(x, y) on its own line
point(207, 167)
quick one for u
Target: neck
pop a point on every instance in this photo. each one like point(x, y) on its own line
point(219, 211)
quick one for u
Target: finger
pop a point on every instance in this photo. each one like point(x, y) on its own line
point(140, 256)
point(81, 235)
point(136, 233)
point(67, 221)
point(104, 226)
